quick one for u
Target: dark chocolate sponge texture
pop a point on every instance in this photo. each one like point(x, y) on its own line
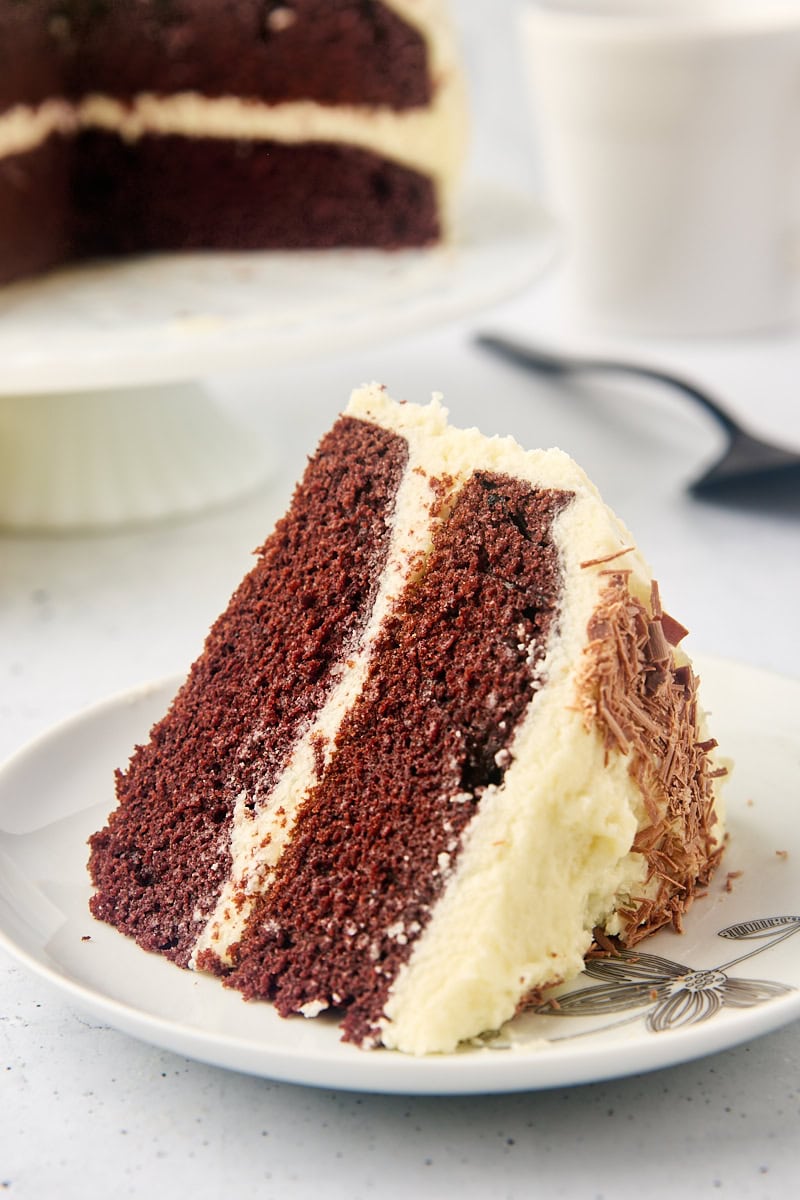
point(267, 666)
point(331, 51)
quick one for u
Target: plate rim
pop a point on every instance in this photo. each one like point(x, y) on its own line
point(384, 1072)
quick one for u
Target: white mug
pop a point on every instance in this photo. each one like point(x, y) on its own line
point(670, 139)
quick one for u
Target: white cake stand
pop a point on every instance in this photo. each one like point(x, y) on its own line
point(102, 420)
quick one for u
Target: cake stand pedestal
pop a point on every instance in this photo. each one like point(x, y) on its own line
point(122, 456)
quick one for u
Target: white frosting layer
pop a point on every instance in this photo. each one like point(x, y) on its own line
point(23, 128)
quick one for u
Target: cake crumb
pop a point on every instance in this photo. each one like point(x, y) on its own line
point(280, 18)
point(783, 854)
point(312, 1008)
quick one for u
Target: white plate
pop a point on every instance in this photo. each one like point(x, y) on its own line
point(729, 989)
point(179, 317)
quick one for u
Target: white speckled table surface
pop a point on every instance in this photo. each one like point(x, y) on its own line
point(86, 1111)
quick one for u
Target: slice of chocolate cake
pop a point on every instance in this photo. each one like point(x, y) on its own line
point(440, 742)
point(197, 124)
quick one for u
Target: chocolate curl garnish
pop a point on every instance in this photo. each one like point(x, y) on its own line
point(674, 632)
point(645, 707)
point(606, 558)
point(604, 944)
point(658, 647)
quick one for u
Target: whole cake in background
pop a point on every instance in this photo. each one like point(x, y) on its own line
point(225, 124)
point(441, 743)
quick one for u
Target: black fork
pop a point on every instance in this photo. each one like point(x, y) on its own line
point(746, 460)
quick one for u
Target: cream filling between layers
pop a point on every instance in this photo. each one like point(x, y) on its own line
point(426, 140)
point(23, 128)
point(259, 837)
point(431, 139)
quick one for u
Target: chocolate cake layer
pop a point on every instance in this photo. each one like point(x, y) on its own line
point(35, 214)
point(173, 193)
point(159, 864)
point(329, 51)
point(454, 671)
point(162, 193)
point(31, 67)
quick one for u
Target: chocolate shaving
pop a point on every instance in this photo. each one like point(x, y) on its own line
point(658, 646)
point(645, 707)
point(674, 632)
point(605, 947)
point(606, 558)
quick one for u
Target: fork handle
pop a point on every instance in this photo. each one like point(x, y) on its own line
point(551, 363)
